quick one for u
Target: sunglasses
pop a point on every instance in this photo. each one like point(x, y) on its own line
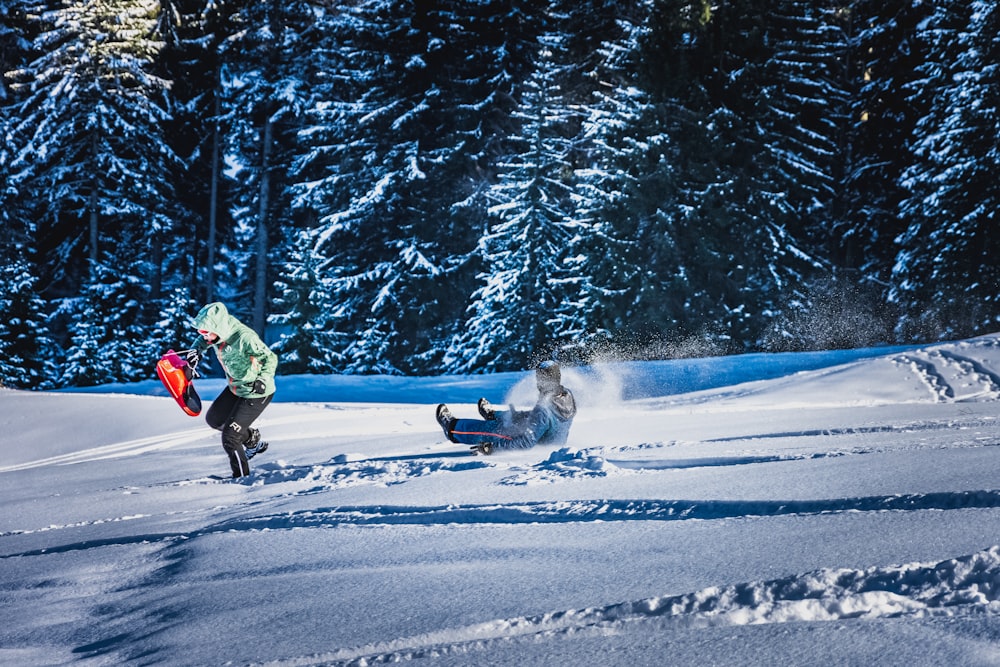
point(204, 332)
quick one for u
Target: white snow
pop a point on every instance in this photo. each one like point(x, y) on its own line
point(843, 515)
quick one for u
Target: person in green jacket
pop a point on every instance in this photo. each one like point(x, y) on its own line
point(249, 366)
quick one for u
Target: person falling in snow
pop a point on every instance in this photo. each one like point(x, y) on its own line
point(249, 366)
point(547, 423)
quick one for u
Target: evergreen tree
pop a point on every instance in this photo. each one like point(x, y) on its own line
point(173, 328)
point(305, 344)
point(13, 44)
point(652, 142)
point(556, 259)
point(722, 238)
point(402, 144)
point(813, 80)
point(529, 298)
point(946, 273)
point(601, 89)
point(616, 189)
point(806, 84)
point(310, 311)
point(262, 95)
point(94, 161)
point(109, 338)
point(889, 56)
point(26, 349)
point(192, 31)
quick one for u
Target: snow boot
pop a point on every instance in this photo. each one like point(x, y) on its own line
point(253, 445)
point(259, 449)
point(484, 448)
point(486, 410)
point(446, 420)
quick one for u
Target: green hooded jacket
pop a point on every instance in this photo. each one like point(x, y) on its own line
point(243, 355)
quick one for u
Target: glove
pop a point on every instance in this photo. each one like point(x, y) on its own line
point(258, 387)
point(192, 357)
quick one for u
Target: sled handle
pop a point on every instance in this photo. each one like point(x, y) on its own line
point(177, 361)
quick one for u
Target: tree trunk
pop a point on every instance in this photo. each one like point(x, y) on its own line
point(93, 218)
point(260, 284)
point(213, 200)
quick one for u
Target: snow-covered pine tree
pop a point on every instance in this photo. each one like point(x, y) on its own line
point(946, 274)
point(94, 157)
point(109, 337)
point(408, 123)
point(261, 95)
point(173, 329)
point(308, 310)
point(716, 231)
point(812, 81)
point(887, 55)
point(613, 187)
point(530, 297)
point(13, 43)
point(306, 342)
point(807, 116)
point(589, 75)
point(685, 189)
point(332, 132)
point(191, 31)
point(26, 348)
point(651, 72)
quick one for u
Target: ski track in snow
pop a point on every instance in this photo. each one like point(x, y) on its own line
point(115, 450)
point(561, 466)
point(968, 584)
point(541, 512)
point(953, 377)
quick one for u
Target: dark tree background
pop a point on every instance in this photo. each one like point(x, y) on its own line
point(420, 187)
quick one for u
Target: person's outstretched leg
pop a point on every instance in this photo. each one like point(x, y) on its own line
point(477, 431)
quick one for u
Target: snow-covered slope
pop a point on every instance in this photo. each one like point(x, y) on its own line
point(840, 515)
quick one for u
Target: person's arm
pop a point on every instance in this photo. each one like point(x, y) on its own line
point(267, 361)
point(532, 429)
point(263, 364)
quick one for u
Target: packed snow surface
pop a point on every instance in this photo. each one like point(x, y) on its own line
point(839, 509)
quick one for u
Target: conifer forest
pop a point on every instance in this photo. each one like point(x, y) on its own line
point(421, 187)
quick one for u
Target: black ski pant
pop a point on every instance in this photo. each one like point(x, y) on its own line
point(233, 416)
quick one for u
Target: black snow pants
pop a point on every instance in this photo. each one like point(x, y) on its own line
point(233, 416)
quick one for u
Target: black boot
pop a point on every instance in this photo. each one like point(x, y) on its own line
point(486, 410)
point(446, 420)
point(253, 445)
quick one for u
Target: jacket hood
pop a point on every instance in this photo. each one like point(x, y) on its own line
point(548, 377)
point(215, 318)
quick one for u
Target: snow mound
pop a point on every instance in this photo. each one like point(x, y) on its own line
point(948, 587)
point(562, 464)
point(342, 473)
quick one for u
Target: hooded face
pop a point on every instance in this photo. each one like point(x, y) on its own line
point(548, 377)
point(213, 322)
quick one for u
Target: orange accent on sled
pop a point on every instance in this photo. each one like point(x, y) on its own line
point(175, 373)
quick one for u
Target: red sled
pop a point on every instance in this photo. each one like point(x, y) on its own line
point(176, 374)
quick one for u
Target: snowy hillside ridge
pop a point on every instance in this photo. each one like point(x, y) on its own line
point(847, 513)
point(945, 373)
point(962, 584)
